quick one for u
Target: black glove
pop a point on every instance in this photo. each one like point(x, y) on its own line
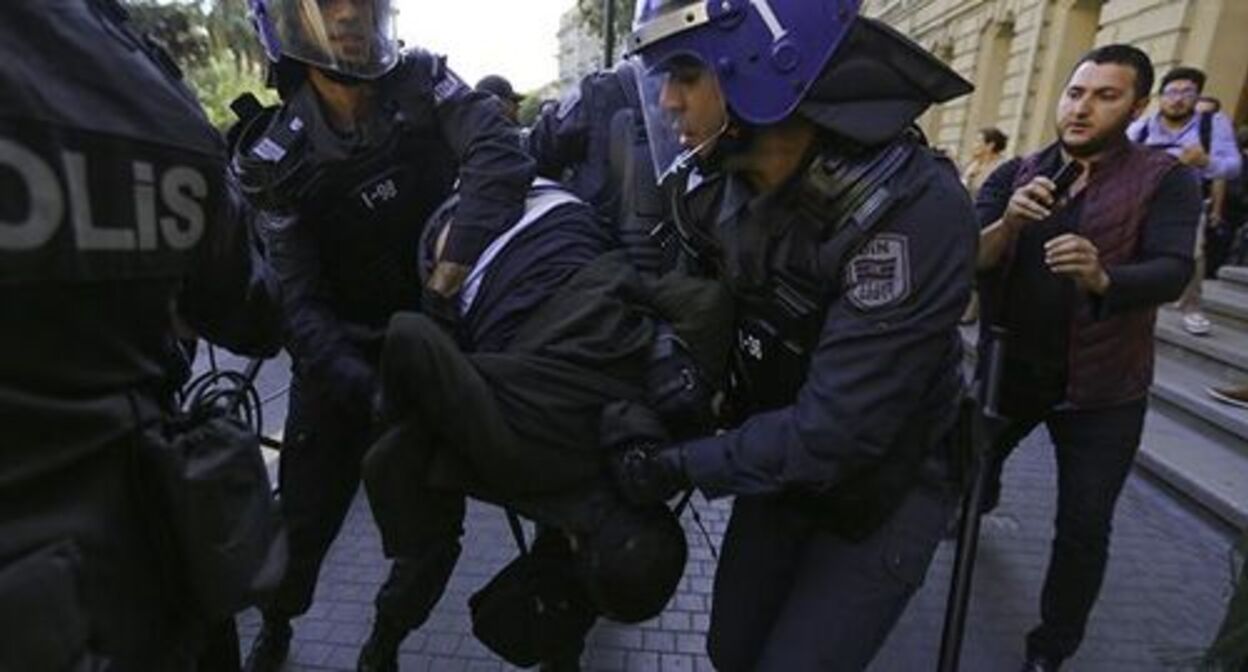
point(647, 474)
point(675, 388)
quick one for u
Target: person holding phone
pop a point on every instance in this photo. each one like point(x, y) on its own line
point(1081, 242)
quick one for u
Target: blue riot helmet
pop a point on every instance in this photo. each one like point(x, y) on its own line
point(351, 38)
point(764, 55)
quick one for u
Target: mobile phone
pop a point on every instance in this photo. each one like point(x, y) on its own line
point(1066, 177)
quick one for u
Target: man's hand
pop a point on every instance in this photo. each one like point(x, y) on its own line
point(447, 278)
point(1195, 156)
point(1076, 257)
point(1032, 202)
point(646, 474)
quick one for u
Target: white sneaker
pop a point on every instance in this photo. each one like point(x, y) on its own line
point(1197, 324)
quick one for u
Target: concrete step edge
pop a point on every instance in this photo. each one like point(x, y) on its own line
point(1224, 298)
point(1177, 389)
point(1196, 467)
point(1222, 346)
point(1234, 274)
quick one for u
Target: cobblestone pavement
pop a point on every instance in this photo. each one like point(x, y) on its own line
point(1169, 577)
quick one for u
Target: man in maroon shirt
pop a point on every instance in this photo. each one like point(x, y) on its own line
point(1073, 281)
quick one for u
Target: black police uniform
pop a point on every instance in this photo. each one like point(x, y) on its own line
point(595, 143)
point(115, 214)
point(342, 220)
point(849, 283)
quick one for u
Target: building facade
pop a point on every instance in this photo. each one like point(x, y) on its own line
point(1018, 54)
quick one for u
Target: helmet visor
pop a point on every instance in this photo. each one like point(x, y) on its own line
point(685, 112)
point(350, 37)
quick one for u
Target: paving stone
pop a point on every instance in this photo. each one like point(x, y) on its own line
point(1168, 580)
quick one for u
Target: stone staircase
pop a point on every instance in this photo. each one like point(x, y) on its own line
point(1193, 442)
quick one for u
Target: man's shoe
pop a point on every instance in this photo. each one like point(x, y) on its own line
point(1235, 396)
point(381, 651)
point(269, 650)
point(1197, 324)
point(1039, 664)
point(567, 663)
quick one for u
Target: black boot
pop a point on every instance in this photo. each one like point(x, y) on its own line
point(381, 651)
point(269, 650)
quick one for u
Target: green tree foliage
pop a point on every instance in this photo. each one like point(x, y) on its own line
point(213, 42)
point(592, 16)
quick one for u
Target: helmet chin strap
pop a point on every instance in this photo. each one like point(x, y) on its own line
point(340, 78)
point(690, 156)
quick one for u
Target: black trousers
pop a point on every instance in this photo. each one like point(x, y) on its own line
point(443, 418)
point(319, 474)
point(1095, 450)
point(791, 596)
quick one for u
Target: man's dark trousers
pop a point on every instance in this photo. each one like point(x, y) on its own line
point(1095, 450)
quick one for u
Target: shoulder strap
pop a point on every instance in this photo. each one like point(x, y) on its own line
point(850, 196)
point(1205, 130)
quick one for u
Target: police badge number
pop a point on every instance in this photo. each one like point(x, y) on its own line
point(879, 275)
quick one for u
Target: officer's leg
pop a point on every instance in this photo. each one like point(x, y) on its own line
point(847, 595)
point(762, 546)
point(318, 474)
point(1095, 450)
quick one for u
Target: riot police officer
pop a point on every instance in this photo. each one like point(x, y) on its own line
point(367, 142)
point(848, 245)
point(594, 142)
point(116, 219)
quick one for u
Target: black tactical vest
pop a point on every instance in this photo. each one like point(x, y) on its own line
point(111, 181)
point(785, 272)
point(365, 199)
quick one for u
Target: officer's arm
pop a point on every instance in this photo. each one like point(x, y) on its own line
point(559, 137)
point(232, 297)
point(494, 171)
point(875, 368)
point(314, 334)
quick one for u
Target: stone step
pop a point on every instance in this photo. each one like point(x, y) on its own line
point(1226, 298)
point(1234, 274)
point(1201, 461)
point(1226, 346)
point(1183, 383)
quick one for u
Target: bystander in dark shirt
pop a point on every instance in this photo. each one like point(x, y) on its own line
point(1037, 308)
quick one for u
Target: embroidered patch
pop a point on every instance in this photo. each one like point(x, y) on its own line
point(879, 275)
point(448, 86)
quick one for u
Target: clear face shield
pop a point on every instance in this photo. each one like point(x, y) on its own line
point(356, 38)
point(684, 109)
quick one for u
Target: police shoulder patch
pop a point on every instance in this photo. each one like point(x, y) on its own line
point(878, 276)
point(447, 85)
